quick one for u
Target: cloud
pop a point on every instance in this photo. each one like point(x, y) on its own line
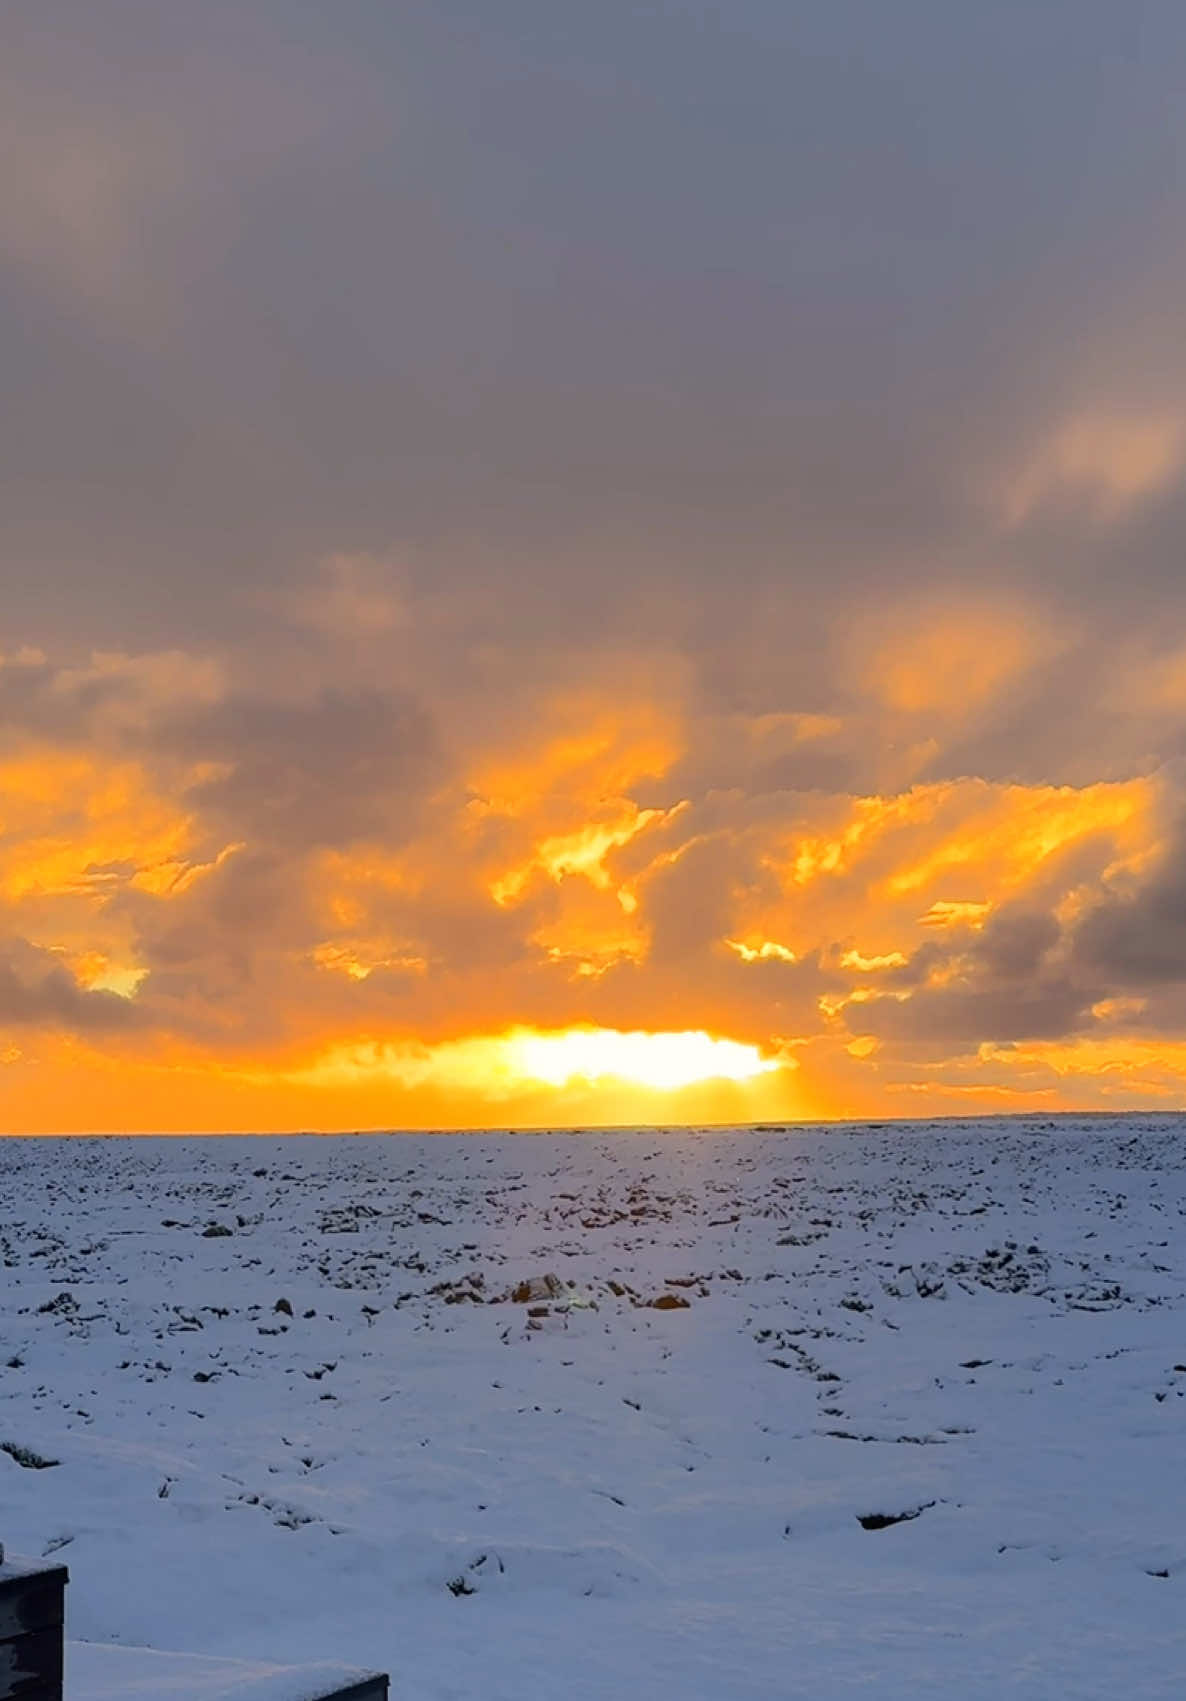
point(38, 990)
point(343, 765)
point(352, 598)
point(1135, 937)
point(76, 191)
point(969, 1015)
point(441, 593)
point(952, 660)
point(111, 698)
point(1106, 462)
point(1001, 982)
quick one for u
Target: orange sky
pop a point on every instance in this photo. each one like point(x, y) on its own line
point(532, 946)
point(590, 568)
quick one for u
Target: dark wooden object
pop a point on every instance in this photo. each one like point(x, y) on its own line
point(372, 1688)
point(32, 1637)
point(32, 1615)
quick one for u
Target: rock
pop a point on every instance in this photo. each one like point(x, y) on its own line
point(885, 1520)
point(63, 1303)
point(284, 1306)
point(537, 1288)
point(670, 1302)
point(928, 1281)
point(215, 1231)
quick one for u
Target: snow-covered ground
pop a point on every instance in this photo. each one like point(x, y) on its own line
point(295, 1414)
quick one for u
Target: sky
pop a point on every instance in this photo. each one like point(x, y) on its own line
point(572, 564)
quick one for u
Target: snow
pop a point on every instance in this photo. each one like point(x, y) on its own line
point(981, 1324)
point(102, 1672)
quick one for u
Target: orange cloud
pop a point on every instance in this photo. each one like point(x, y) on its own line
point(74, 822)
point(582, 851)
point(1107, 460)
point(953, 659)
point(1010, 831)
point(551, 930)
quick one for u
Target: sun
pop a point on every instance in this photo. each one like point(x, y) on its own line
point(605, 1070)
point(663, 1061)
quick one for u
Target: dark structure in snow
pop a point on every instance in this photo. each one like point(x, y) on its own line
point(32, 1652)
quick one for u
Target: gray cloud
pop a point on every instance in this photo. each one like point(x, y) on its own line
point(38, 989)
point(344, 765)
point(600, 295)
point(1015, 940)
point(1137, 939)
point(224, 955)
point(1003, 982)
point(1051, 1007)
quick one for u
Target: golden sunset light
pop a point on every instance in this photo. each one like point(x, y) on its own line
point(662, 1061)
point(471, 650)
point(872, 934)
point(496, 1065)
point(592, 849)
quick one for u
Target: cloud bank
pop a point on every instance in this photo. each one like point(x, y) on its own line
point(650, 521)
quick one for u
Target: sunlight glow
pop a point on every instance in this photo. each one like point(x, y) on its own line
point(663, 1061)
point(496, 1065)
point(953, 912)
point(768, 949)
point(103, 976)
point(878, 960)
point(580, 852)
